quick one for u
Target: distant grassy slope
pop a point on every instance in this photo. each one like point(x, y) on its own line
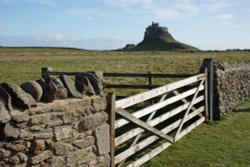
point(163, 44)
point(220, 144)
point(25, 60)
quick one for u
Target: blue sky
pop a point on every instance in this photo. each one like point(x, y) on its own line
point(111, 24)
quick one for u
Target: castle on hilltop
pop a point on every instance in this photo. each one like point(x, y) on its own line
point(158, 38)
point(154, 31)
point(155, 27)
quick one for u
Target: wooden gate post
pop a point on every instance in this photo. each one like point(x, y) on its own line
point(45, 70)
point(111, 112)
point(149, 81)
point(208, 64)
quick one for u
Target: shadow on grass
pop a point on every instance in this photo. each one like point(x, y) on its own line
point(242, 110)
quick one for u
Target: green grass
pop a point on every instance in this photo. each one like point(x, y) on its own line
point(224, 143)
point(16, 64)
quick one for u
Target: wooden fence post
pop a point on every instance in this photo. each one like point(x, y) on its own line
point(45, 71)
point(149, 80)
point(111, 112)
point(206, 96)
point(208, 64)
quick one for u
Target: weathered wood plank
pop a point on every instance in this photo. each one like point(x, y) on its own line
point(108, 74)
point(148, 120)
point(138, 114)
point(124, 103)
point(206, 97)
point(65, 73)
point(150, 155)
point(133, 132)
point(111, 113)
point(190, 128)
point(144, 125)
point(124, 86)
point(156, 151)
point(189, 107)
point(132, 150)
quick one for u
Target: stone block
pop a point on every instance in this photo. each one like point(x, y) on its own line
point(92, 121)
point(89, 83)
point(4, 153)
point(14, 160)
point(43, 135)
point(17, 147)
point(97, 104)
point(19, 116)
point(41, 157)
point(79, 157)
point(63, 148)
point(48, 95)
point(69, 117)
point(83, 143)
point(50, 119)
point(102, 161)
point(22, 157)
point(102, 135)
point(10, 131)
point(7, 98)
point(4, 113)
point(37, 147)
point(84, 111)
point(84, 85)
point(56, 162)
point(63, 132)
point(37, 127)
point(20, 98)
point(34, 89)
point(62, 92)
point(69, 84)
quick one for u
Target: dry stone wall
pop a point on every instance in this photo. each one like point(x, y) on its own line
point(53, 123)
point(231, 84)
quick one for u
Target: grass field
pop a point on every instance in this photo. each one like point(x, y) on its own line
point(224, 143)
point(17, 64)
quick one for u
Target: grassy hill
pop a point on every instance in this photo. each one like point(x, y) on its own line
point(163, 44)
point(158, 38)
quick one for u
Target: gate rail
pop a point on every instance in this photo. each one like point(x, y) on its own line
point(139, 129)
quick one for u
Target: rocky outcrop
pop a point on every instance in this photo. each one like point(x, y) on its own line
point(159, 38)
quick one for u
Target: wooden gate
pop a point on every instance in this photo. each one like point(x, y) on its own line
point(147, 123)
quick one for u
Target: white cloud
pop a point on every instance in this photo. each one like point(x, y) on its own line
point(215, 5)
point(232, 25)
point(88, 13)
point(59, 40)
point(188, 7)
point(129, 3)
point(227, 20)
point(55, 37)
point(177, 9)
point(224, 17)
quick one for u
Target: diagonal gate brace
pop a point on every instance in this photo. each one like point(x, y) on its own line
point(143, 125)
